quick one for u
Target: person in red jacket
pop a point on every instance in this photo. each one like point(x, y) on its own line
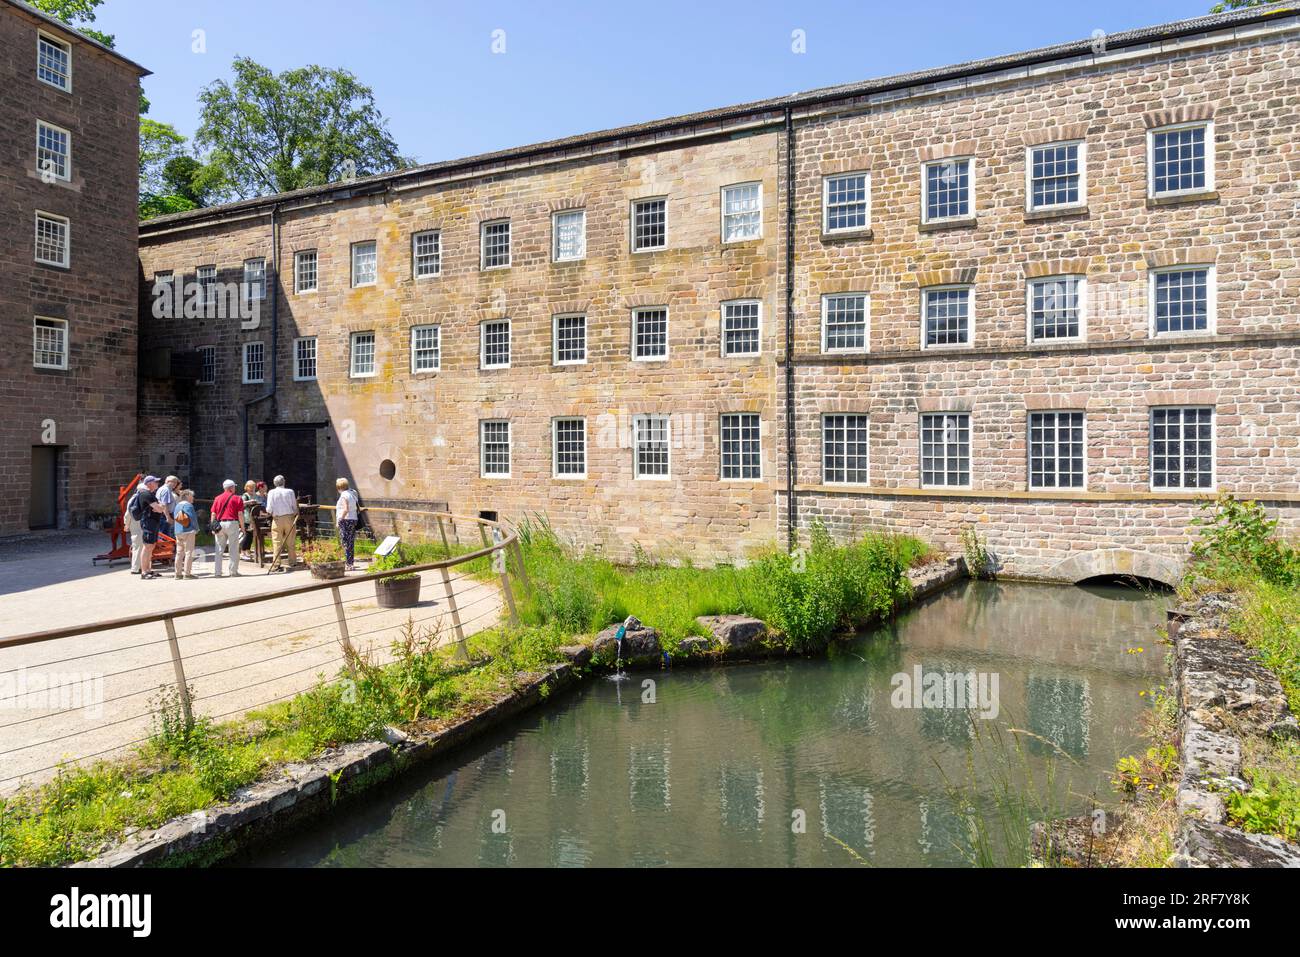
point(228, 513)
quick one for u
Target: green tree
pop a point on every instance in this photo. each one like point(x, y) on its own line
point(271, 133)
point(75, 13)
point(1237, 5)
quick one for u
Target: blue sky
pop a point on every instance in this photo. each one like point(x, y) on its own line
point(573, 67)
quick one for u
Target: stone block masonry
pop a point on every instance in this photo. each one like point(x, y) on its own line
point(1054, 295)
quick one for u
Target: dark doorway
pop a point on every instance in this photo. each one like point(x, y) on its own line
point(291, 452)
point(44, 501)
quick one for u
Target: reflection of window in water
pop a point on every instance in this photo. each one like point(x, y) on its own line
point(1060, 710)
point(741, 793)
point(846, 814)
point(571, 851)
point(495, 850)
point(854, 709)
point(953, 721)
point(947, 834)
point(647, 772)
point(570, 772)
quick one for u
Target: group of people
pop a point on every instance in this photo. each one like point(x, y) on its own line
point(164, 507)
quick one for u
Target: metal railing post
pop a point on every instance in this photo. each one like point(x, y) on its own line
point(181, 687)
point(462, 653)
point(344, 638)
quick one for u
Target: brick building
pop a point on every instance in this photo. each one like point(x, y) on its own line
point(68, 271)
point(1053, 295)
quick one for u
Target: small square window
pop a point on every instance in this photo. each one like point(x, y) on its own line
point(570, 340)
point(649, 225)
point(1182, 448)
point(946, 312)
point(846, 322)
point(52, 240)
point(426, 348)
point(1180, 160)
point(1055, 308)
point(363, 355)
point(740, 442)
point(948, 190)
point(1056, 450)
point(650, 334)
point(569, 450)
point(254, 363)
point(364, 264)
point(1055, 172)
point(846, 202)
point(494, 446)
point(945, 450)
point(741, 327)
point(254, 279)
point(1182, 300)
point(304, 359)
point(53, 151)
point(53, 62)
point(426, 254)
point(207, 365)
point(304, 271)
point(50, 343)
point(495, 344)
point(496, 244)
point(570, 231)
point(206, 277)
point(844, 449)
point(742, 212)
point(650, 446)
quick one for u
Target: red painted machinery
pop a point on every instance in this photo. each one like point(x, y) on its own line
point(120, 540)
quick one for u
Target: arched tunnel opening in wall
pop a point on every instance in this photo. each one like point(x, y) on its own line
point(1120, 566)
point(1136, 582)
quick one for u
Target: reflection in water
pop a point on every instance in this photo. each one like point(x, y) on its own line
point(712, 772)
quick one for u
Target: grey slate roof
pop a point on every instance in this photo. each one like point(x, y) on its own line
point(757, 109)
point(62, 27)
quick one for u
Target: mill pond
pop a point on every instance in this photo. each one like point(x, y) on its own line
point(822, 762)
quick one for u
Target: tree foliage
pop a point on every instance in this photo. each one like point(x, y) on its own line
point(75, 13)
point(274, 132)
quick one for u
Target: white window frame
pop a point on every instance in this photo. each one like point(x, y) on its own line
point(353, 338)
point(482, 244)
point(722, 416)
point(1083, 176)
point(1211, 301)
point(67, 239)
point(437, 338)
point(1081, 285)
point(62, 325)
point(67, 156)
point(555, 234)
point(758, 304)
point(1210, 178)
point(66, 47)
point(970, 316)
point(555, 449)
point(724, 214)
point(298, 258)
point(207, 283)
point(249, 286)
point(1029, 451)
point(847, 482)
point(204, 351)
point(482, 446)
point(247, 346)
point(632, 225)
point(555, 339)
point(482, 343)
point(353, 263)
point(826, 202)
point(415, 259)
point(1214, 451)
point(636, 317)
point(866, 322)
point(297, 358)
point(970, 190)
point(636, 447)
point(970, 450)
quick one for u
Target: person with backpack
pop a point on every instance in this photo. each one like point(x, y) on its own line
point(346, 513)
point(149, 512)
point(133, 529)
point(186, 521)
point(228, 525)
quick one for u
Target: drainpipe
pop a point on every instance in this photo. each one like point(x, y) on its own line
point(273, 289)
point(792, 511)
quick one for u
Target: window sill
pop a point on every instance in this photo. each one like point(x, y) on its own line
point(848, 235)
point(1064, 212)
point(1207, 196)
point(965, 222)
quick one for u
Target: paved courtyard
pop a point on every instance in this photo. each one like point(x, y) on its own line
point(90, 695)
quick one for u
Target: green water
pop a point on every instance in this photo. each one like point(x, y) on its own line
point(719, 766)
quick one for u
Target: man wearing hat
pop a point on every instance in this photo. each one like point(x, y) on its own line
point(228, 513)
point(151, 518)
